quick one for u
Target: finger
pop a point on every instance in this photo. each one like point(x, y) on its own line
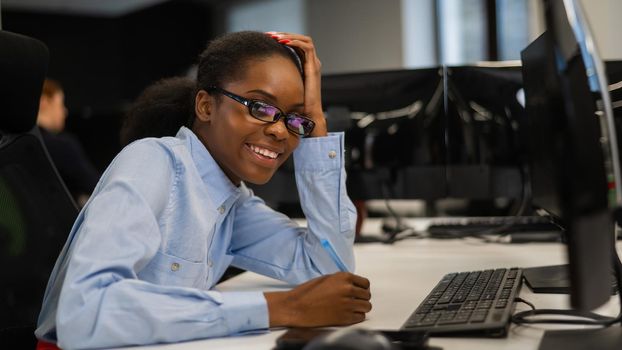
point(360, 281)
point(303, 42)
point(358, 305)
point(310, 56)
point(357, 317)
point(290, 36)
point(361, 293)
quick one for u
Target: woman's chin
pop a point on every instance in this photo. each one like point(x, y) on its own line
point(258, 179)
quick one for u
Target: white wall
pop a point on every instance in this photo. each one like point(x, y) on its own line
point(605, 21)
point(356, 35)
point(362, 35)
point(418, 33)
point(267, 15)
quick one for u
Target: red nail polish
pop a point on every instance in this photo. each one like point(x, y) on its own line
point(284, 41)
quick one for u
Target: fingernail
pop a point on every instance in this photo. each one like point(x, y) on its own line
point(276, 36)
point(284, 41)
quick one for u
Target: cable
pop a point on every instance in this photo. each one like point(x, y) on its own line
point(588, 318)
point(401, 230)
point(521, 300)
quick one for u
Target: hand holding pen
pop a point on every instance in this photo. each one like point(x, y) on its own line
point(339, 299)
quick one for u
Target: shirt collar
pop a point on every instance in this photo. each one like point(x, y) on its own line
point(219, 185)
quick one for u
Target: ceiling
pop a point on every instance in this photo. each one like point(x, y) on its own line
point(100, 8)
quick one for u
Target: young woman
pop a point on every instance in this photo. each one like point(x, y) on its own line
point(171, 214)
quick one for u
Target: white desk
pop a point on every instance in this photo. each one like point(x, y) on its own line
point(403, 274)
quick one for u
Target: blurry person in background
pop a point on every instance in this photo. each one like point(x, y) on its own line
point(67, 153)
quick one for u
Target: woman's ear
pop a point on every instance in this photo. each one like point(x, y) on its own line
point(203, 106)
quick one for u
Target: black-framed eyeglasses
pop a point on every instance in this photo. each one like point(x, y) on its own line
point(296, 123)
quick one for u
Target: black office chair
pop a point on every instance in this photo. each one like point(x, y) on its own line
point(36, 209)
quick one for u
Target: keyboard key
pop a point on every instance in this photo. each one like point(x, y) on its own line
point(479, 315)
point(415, 320)
point(462, 317)
point(424, 309)
point(501, 303)
point(469, 305)
point(485, 304)
point(430, 318)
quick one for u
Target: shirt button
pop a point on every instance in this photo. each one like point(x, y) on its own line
point(175, 266)
point(332, 154)
point(221, 209)
point(210, 263)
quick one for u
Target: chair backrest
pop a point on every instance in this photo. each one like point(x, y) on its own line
point(36, 209)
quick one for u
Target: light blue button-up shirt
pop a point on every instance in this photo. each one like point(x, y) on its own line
point(161, 228)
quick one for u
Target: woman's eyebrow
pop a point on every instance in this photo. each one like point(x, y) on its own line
point(264, 93)
point(273, 98)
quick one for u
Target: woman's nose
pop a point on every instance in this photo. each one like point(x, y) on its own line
point(278, 129)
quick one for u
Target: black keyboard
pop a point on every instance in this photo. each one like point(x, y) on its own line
point(509, 223)
point(469, 303)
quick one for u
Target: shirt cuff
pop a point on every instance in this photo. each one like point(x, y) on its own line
point(320, 153)
point(245, 311)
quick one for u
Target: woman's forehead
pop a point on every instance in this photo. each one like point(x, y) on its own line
point(276, 77)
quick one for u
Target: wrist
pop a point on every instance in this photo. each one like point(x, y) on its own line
point(320, 128)
point(278, 309)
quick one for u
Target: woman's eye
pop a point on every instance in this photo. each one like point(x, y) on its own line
point(265, 110)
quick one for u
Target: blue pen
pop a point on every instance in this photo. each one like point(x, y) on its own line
point(329, 248)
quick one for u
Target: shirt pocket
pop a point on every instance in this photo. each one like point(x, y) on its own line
point(170, 270)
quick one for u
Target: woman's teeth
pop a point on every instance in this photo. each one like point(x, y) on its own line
point(264, 152)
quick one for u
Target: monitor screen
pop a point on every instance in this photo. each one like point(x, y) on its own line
point(568, 154)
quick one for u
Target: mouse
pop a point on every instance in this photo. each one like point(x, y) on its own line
point(350, 339)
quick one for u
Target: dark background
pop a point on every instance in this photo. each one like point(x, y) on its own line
point(104, 63)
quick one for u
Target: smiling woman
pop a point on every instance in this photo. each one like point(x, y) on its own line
point(170, 214)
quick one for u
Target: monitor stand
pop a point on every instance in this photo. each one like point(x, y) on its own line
point(609, 338)
point(553, 279)
point(548, 279)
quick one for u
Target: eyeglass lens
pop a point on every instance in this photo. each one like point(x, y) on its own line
point(269, 113)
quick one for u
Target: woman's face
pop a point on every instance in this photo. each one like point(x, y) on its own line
point(248, 149)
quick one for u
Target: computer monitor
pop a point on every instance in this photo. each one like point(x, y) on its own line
point(574, 166)
point(394, 125)
point(431, 133)
point(483, 116)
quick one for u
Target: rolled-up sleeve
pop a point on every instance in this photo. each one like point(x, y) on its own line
point(270, 243)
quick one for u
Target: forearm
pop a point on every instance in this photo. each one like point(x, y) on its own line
point(133, 312)
point(329, 211)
